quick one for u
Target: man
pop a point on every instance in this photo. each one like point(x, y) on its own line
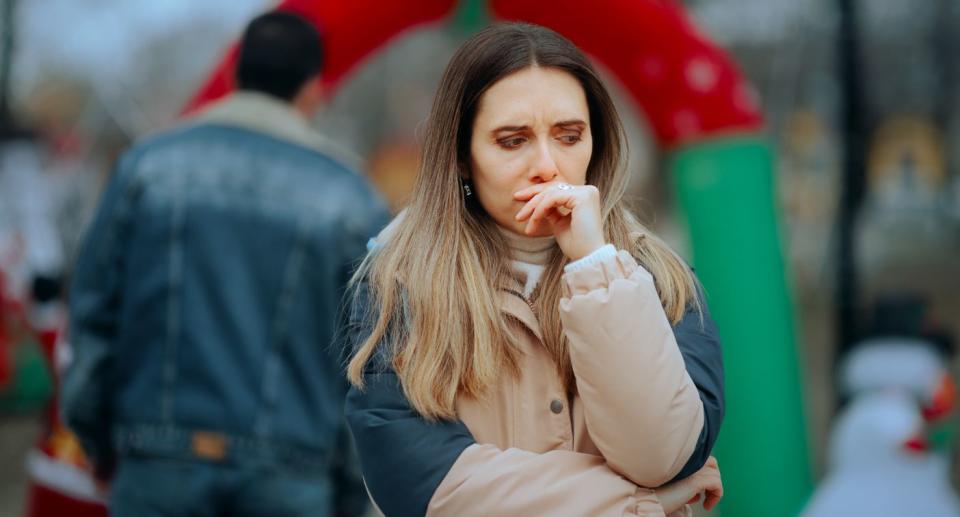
point(205, 302)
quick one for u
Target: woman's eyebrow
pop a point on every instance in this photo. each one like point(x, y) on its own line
point(562, 123)
point(510, 129)
point(571, 122)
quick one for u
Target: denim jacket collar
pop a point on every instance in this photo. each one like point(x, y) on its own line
point(265, 114)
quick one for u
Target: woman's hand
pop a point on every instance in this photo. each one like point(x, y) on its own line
point(571, 213)
point(688, 490)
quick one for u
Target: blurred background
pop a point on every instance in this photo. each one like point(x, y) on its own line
point(861, 131)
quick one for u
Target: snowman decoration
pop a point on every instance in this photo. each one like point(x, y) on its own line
point(880, 461)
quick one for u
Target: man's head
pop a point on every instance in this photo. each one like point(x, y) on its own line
point(281, 55)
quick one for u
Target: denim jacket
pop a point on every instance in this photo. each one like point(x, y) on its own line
point(205, 298)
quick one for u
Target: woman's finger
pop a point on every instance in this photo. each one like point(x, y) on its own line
point(528, 208)
point(561, 200)
point(528, 192)
point(714, 493)
point(550, 201)
point(535, 203)
point(713, 498)
point(543, 200)
point(555, 217)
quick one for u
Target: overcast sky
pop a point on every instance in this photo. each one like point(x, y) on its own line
point(100, 36)
point(104, 42)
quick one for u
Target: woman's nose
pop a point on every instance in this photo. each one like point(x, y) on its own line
point(545, 167)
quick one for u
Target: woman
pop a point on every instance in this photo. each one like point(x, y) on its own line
point(523, 346)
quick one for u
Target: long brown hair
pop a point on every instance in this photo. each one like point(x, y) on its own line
point(434, 281)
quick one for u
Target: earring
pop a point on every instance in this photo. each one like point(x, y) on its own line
point(466, 190)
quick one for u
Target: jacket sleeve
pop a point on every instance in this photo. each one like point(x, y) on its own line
point(488, 481)
point(94, 304)
point(415, 467)
point(643, 410)
point(699, 343)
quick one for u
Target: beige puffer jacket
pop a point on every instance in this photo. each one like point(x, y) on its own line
point(633, 424)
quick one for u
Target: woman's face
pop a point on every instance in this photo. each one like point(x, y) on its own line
point(532, 126)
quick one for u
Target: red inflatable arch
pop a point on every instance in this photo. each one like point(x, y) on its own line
point(687, 87)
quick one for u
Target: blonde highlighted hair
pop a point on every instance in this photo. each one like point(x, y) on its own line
point(434, 283)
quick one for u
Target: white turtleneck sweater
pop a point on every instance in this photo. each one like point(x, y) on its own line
point(530, 255)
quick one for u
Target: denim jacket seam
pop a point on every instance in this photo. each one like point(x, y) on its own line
point(280, 327)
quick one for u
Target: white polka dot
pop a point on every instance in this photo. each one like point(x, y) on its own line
point(701, 75)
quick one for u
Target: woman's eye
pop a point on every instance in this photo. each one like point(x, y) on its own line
point(512, 143)
point(570, 139)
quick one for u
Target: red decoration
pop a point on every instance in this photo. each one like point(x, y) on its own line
point(688, 87)
point(61, 480)
point(47, 502)
point(7, 310)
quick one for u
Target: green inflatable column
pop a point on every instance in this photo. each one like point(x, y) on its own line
point(726, 192)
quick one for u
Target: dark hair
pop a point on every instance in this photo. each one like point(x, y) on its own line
point(502, 49)
point(279, 52)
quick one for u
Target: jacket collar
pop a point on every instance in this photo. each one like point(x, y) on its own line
point(515, 305)
point(266, 114)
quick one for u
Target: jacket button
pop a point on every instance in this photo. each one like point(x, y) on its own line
point(556, 406)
